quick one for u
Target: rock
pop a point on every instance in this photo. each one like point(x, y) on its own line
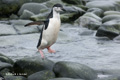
point(90, 21)
point(26, 30)
point(74, 70)
point(19, 26)
point(13, 16)
point(72, 13)
point(65, 79)
point(6, 59)
point(15, 78)
point(5, 67)
point(111, 13)
point(104, 5)
point(42, 75)
point(6, 30)
point(50, 3)
point(32, 65)
point(41, 16)
point(97, 11)
point(32, 7)
point(110, 17)
point(8, 7)
point(109, 29)
point(26, 14)
point(75, 2)
point(110, 78)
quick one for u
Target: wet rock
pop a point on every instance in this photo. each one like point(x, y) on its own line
point(74, 70)
point(26, 14)
point(110, 78)
point(6, 30)
point(65, 79)
point(19, 26)
point(76, 2)
point(90, 21)
point(85, 32)
point(32, 7)
point(109, 29)
point(97, 11)
point(5, 68)
point(15, 78)
point(104, 5)
point(6, 59)
point(111, 13)
point(8, 7)
point(13, 16)
point(32, 65)
point(42, 75)
point(72, 13)
point(50, 3)
point(41, 16)
point(110, 17)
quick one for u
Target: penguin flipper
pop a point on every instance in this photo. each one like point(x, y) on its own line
point(35, 23)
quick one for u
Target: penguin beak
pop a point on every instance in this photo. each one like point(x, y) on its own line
point(63, 9)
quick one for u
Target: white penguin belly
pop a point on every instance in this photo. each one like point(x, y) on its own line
point(51, 33)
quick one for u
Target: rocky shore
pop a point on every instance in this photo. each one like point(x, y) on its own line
point(87, 46)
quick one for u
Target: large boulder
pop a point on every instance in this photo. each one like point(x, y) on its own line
point(72, 13)
point(42, 75)
point(90, 21)
point(6, 59)
point(5, 68)
point(74, 70)
point(110, 17)
point(104, 5)
point(75, 2)
point(109, 29)
point(97, 11)
point(32, 7)
point(65, 79)
point(15, 78)
point(111, 13)
point(32, 64)
point(8, 7)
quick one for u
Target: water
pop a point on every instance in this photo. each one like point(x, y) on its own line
point(74, 44)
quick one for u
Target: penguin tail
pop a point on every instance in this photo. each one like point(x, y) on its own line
point(35, 23)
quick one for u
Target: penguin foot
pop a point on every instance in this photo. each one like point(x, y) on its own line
point(42, 55)
point(50, 50)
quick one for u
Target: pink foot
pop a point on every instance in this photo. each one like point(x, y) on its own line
point(50, 50)
point(42, 55)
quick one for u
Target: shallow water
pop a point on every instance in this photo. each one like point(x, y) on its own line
point(74, 44)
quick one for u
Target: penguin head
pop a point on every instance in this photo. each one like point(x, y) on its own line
point(58, 8)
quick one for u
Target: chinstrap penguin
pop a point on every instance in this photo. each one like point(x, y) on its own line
point(50, 29)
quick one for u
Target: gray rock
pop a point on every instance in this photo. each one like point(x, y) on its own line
point(111, 13)
point(6, 59)
point(109, 29)
point(32, 7)
point(15, 78)
point(72, 13)
point(65, 79)
point(104, 5)
point(8, 7)
point(97, 11)
point(6, 30)
point(5, 68)
point(26, 14)
point(78, 2)
point(90, 21)
point(110, 17)
point(110, 78)
point(74, 70)
point(42, 75)
point(32, 65)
